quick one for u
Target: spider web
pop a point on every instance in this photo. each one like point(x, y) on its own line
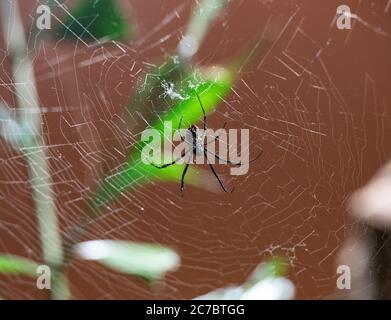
point(316, 103)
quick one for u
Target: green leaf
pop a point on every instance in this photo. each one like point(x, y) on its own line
point(149, 261)
point(95, 19)
point(11, 264)
point(135, 173)
point(215, 84)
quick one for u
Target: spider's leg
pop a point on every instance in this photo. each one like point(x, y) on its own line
point(203, 110)
point(183, 177)
point(234, 163)
point(180, 122)
point(215, 173)
point(165, 165)
point(168, 164)
point(218, 136)
point(258, 155)
point(224, 160)
point(179, 127)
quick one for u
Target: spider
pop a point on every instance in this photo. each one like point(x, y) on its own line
point(198, 147)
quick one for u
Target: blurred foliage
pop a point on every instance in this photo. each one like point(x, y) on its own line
point(96, 19)
point(11, 264)
point(148, 261)
point(266, 282)
point(275, 267)
point(204, 14)
point(12, 130)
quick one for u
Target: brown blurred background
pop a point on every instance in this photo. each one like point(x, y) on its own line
point(317, 103)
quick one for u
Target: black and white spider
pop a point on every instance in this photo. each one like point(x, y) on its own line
point(199, 147)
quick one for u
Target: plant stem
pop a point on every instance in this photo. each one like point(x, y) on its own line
point(34, 148)
point(203, 15)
